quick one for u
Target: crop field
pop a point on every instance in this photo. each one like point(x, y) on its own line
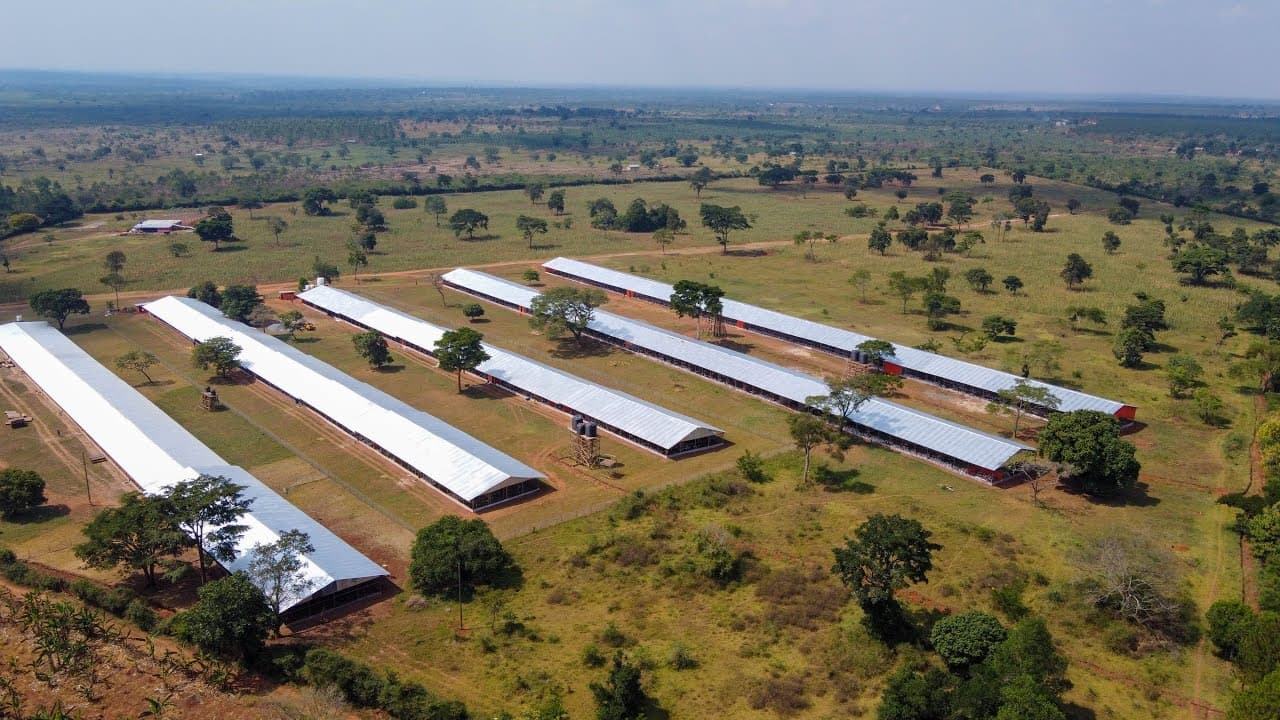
point(605, 568)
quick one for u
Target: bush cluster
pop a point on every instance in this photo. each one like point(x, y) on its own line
point(23, 574)
point(366, 687)
point(121, 602)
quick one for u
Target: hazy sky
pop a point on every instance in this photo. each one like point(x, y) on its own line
point(1185, 47)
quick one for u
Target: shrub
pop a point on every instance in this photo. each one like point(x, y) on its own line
point(591, 656)
point(357, 681)
point(751, 467)
point(113, 600)
point(783, 695)
point(404, 203)
point(1007, 599)
point(1228, 621)
point(966, 639)
point(612, 636)
point(23, 574)
point(632, 506)
point(139, 614)
point(681, 658)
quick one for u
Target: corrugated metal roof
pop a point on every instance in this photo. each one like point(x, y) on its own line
point(157, 452)
point(450, 457)
point(644, 420)
point(957, 441)
point(148, 224)
point(919, 361)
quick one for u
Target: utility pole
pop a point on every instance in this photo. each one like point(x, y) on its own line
point(458, 545)
point(84, 460)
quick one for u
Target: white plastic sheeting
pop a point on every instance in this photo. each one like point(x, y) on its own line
point(461, 464)
point(920, 362)
point(157, 452)
point(963, 444)
point(650, 423)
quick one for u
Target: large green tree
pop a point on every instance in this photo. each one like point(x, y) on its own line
point(1075, 271)
point(373, 348)
point(139, 361)
point(723, 220)
point(206, 292)
point(1260, 700)
point(621, 696)
point(450, 549)
point(231, 618)
point(239, 301)
point(216, 227)
point(315, 200)
point(1020, 397)
point(468, 221)
point(697, 300)
point(886, 553)
point(967, 638)
point(808, 432)
point(142, 534)
point(1199, 261)
point(1087, 444)
point(20, 490)
point(279, 570)
point(460, 351)
point(219, 353)
point(208, 509)
point(58, 305)
point(529, 226)
point(437, 206)
point(565, 309)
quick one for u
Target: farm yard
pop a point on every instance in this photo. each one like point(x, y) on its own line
point(711, 574)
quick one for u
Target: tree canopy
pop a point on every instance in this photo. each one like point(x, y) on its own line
point(1075, 271)
point(20, 490)
point(697, 300)
point(231, 618)
point(219, 353)
point(278, 570)
point(468, 221)
point(208, 509)
point(141, 534)
point(459, 351)
point(216, 227)
point(239, 301)
point(1087, 444)
point(565, 309)
point(58, 305)
point(723, 220)
point(887, 553)
point(530, 226)
point(967, 638)
point(444, 545)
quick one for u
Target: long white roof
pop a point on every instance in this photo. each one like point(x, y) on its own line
point(157, 452)
point(465, 466)
point(983, 450)
point(646, 421)
point(920, 361)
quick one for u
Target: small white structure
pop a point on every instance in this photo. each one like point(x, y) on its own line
point(159, 226)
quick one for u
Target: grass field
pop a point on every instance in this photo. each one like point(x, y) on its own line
point(74, 257)
point(582, 573)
